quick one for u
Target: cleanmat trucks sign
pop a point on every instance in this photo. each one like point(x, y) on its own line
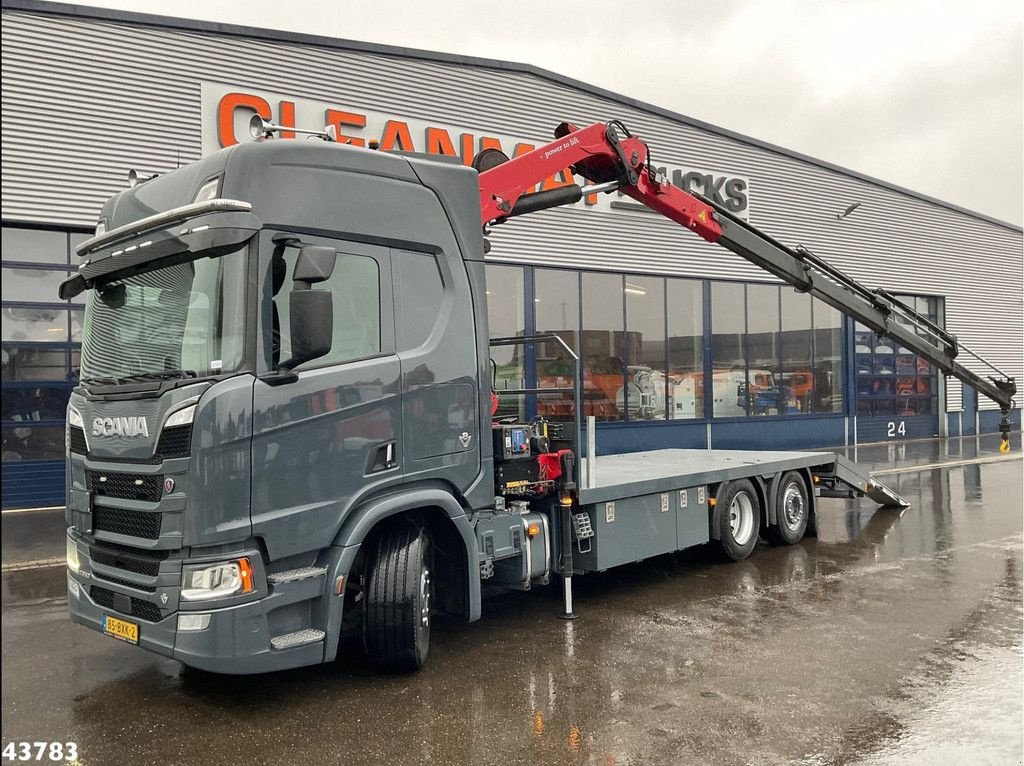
point(226, 111)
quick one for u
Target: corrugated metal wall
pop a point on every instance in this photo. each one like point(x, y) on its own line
point(86, 99)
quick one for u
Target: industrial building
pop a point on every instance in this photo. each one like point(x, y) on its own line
point(683, 344)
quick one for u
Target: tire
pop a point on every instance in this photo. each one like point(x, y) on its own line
point(399, 593)
point(739, 518)
point(792, 510)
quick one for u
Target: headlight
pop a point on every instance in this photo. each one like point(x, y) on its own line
point(75, 418)
point(182, 417)
point(72, 554)
point(216, 580)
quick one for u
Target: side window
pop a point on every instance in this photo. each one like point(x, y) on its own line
point(355, 285)
point(419, 294)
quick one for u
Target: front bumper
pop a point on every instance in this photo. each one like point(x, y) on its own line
point(237, 639)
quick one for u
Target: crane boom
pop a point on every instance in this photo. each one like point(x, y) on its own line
point(611, 159)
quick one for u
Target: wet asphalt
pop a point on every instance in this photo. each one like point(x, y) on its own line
point(892, 638)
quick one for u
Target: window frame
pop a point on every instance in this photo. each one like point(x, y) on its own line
point(379, 254)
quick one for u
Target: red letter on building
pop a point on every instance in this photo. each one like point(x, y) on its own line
point(338, 118)
point(229, 102)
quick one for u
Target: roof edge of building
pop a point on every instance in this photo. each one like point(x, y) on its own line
point(264, 33)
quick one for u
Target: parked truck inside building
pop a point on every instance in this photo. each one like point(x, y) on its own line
point(285, 428)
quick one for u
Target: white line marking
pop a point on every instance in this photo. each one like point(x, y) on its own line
point(37, 564)
point(13, 511)
point(950, 464)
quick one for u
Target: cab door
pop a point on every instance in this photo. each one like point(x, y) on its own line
point(326, 439)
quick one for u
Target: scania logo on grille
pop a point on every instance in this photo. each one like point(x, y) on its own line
point(123, 426)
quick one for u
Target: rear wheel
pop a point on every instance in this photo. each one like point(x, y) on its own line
point(399, 592)
point(792, 510)
point(739, 518)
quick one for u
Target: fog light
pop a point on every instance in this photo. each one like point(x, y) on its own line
point(73, 586)
point(193, 621)
point(72, 554)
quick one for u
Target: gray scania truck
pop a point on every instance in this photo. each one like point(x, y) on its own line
point(284, 428)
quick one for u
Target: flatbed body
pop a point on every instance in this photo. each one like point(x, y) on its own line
point(645, 504)
point(618, 477)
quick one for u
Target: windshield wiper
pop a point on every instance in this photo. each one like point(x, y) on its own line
point(101, 381)
point(162, 375)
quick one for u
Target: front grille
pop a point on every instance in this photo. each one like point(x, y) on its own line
point(121, 521)
point(127, 486)
point(76, 440)
point(119, 581)
point(175, 442)
point(144, 610)
point(130, 561)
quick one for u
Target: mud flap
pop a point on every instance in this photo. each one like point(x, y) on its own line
point(844, 478)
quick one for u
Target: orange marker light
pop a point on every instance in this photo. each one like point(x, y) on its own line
point(713, 501)
point(339, 586)
point(245, 571)
point(532, 531)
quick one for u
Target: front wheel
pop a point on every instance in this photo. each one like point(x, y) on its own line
point(739, 518)
point(399, 591)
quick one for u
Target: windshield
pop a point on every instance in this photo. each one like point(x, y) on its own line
point(185, 320)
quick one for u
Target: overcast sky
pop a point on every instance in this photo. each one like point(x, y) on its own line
point(926, 94)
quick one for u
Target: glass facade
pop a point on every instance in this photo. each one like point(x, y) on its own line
point(652, 346)
point(41, 337)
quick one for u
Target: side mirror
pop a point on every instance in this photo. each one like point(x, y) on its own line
point(311, 323)
point(71, 287)
point(315, 264)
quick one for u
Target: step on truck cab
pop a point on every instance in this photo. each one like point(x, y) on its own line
point(283, 429)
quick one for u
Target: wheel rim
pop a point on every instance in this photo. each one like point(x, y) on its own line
point(425, 598)
point(793, 506)
point(741, 518)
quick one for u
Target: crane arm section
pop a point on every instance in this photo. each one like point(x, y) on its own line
point(612, 159)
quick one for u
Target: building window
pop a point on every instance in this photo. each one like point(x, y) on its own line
point(775, 352)
point(685, 301)
point(828, 358)
point(728, 352)
point(891, 379)
point(23, 285)
point(34, 363)
point(645, 396)
point(764, 393)
point(506, 319)
point(556, 308)
point(604, 354)
point(797, 341)
point(23, 442)
point(35, 246)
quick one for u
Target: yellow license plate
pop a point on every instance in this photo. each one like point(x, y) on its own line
point(121, 629)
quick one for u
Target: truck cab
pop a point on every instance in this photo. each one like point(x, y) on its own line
point(281, 364)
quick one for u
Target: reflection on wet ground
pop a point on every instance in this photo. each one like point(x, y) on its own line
point(890, 639)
